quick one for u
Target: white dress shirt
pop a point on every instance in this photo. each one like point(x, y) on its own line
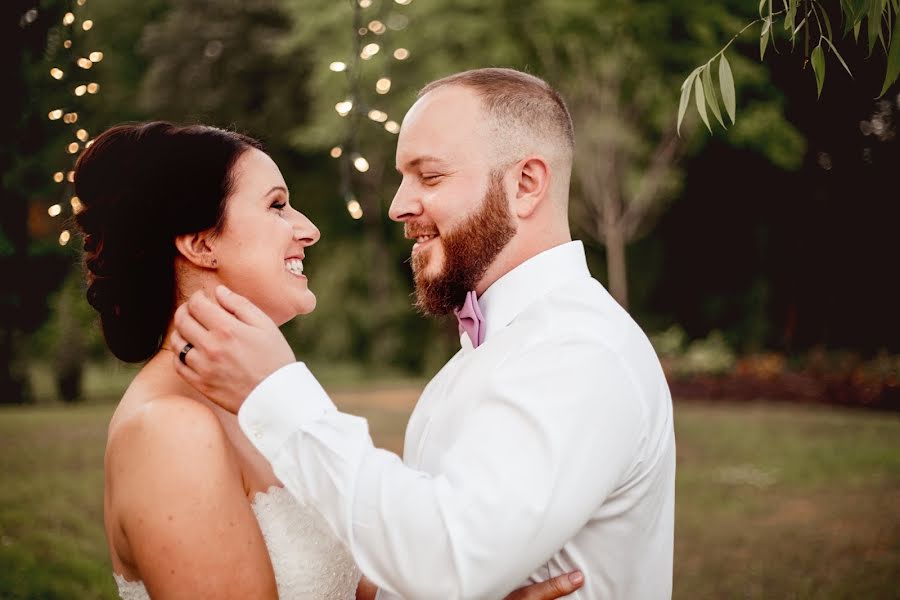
point(548, 448)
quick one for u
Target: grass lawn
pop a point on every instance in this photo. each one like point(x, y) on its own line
point(773, 501)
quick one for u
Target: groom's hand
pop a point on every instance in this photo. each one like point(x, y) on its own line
point(234, 346)
point(559, 586)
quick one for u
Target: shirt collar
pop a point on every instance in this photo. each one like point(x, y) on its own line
point(534, 278)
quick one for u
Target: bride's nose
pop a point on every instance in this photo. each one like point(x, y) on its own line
point(305, 231)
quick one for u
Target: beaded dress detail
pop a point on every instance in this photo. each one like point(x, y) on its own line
point(309, 562)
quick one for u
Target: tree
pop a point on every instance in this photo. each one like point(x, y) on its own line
point(808, 20)
point(30, 265)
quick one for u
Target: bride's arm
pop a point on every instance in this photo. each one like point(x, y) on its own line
point(182, 508)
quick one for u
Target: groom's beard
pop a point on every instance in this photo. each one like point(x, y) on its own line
point(469, 249)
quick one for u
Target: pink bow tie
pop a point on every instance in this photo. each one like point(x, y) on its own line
point(471, 321)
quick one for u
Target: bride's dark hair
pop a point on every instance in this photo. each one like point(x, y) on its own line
point(141, 185)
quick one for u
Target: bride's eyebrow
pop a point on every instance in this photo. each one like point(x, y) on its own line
point(278, 188)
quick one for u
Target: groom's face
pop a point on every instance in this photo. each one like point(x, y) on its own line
point(452, 203)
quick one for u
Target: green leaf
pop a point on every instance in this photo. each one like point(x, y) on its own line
point(893, 63)
point(709, 90)
point(763, 42)
point(761, 4)
point(856, 29)
point(839, 57)
point(818, 65)
point(874, 24)
point(790, 15)
point(726, 83)
point(824, 16)
point(700, 101)
point(686, 88)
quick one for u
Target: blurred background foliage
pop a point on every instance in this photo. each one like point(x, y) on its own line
point(773, 238)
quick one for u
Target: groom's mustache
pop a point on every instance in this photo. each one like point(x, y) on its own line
point(414, 229)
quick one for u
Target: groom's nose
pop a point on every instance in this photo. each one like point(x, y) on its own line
point(406, 204)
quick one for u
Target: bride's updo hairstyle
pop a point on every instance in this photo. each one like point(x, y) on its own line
point(142, 185)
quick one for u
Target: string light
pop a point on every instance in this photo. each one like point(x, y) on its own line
point(366, 50)
point(369, 50)
point(82, 135)
point(354, 208)
point(344, 108)
point(360, 163)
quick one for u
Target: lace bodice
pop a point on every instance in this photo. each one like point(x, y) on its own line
point(309, 562)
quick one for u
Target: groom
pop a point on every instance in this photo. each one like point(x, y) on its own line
point(544, 445)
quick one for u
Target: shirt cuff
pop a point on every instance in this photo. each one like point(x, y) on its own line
point(280, 406)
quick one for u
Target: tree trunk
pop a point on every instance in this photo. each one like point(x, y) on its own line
point(616, 266)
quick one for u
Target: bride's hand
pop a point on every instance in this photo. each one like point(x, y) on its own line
point(560, 586)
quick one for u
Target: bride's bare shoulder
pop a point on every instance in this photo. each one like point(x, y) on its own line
point(168, 435)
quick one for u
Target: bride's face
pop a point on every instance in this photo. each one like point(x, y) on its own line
point(261, 248)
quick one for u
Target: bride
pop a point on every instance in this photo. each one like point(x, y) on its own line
point(191, 509)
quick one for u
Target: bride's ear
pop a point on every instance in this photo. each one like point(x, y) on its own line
point(197, 249)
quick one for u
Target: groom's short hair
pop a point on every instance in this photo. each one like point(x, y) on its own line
point(526, 113)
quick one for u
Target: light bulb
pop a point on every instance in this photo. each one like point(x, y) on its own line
point(54, 210)
point(87, 25)
point(361, 164)
point(68, 19)
point(81, 90)
point(96, 56)
point(56, 73)
point(401, 53)
point(58, 177)
point(344, 108)
point(392, 127)
point(93, 88)
point(338, 66)
point(64, 237)
point(383, 85)
point(336, 152)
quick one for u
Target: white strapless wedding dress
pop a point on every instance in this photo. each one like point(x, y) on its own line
point(309, 562)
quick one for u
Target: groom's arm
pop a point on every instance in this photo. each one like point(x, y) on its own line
point(537, 457)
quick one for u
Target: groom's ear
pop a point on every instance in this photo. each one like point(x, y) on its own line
point(532, 184)
point(197, 248)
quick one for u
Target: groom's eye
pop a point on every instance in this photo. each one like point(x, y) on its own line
point(431, 178)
